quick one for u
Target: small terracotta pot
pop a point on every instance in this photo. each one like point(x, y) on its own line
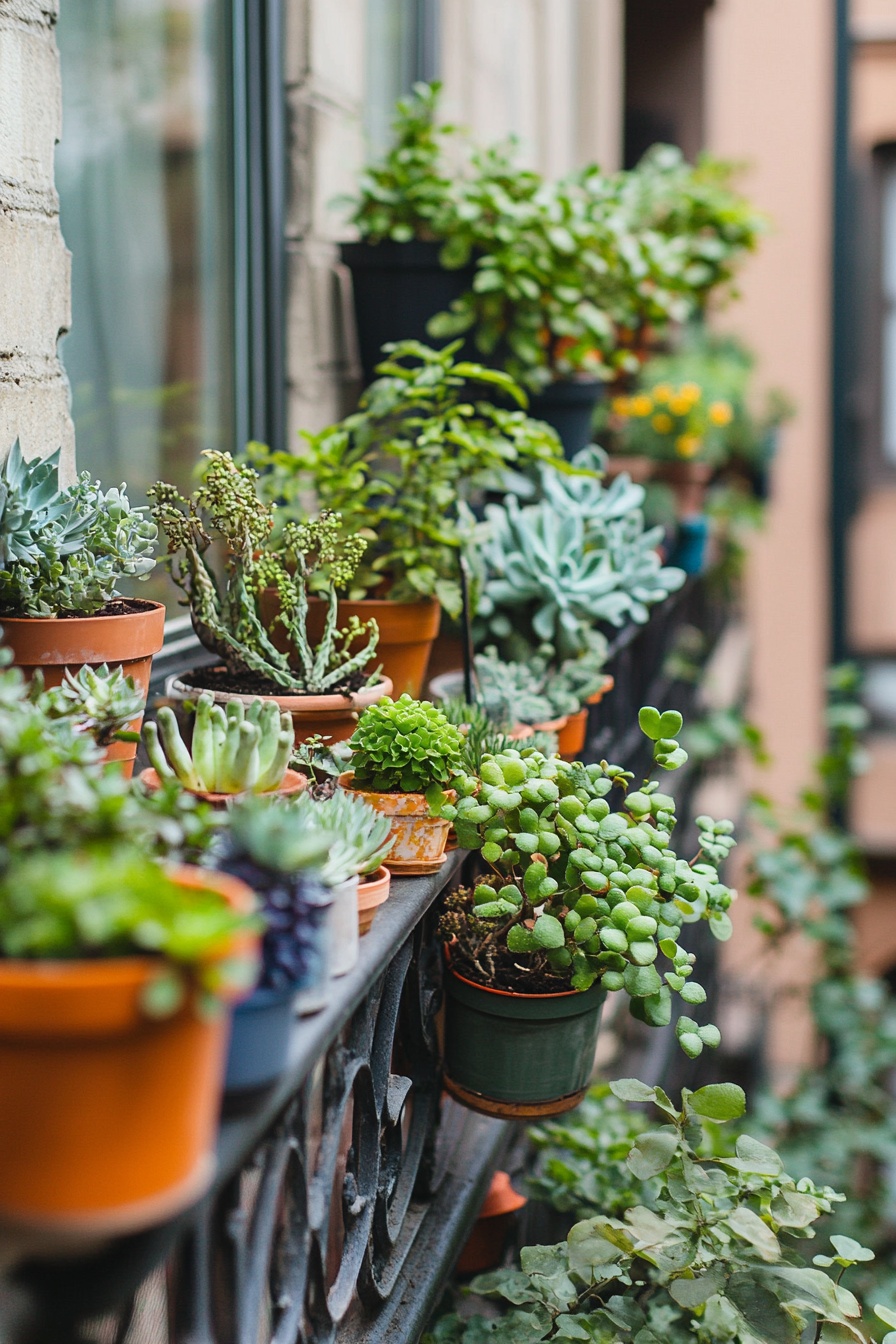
point(407, 631)
point(333, 716)
point(373, 891)
point(292, 783)
point(484, 1248)
point(107, 1116)
point(688, 481)
point(606, 688)
point(53, 644)
point(571, 738)
point(418, 838)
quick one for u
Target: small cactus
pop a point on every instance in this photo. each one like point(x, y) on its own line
point(240, 750)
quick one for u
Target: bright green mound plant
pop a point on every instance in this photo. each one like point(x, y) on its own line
point(581, 893)
point(581, 555)
point(707, 1258)
point(65, 550)
point(101, 701)
point(406, 746)
point(238, 750)
point(308, 559)
point(397, 470)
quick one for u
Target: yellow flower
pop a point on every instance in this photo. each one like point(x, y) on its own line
point(680, 404)
point(662, 423)
point(662, 393)
point(720, 413)
point(641, 405)
point(619, 406)
point(688, 445)
point(690, 390)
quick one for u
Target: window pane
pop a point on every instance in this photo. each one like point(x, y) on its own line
point(143, 177)
point(392, 63)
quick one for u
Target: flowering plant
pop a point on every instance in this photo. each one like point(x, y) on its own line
point(674, 423)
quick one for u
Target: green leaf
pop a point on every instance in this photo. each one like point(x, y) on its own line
point(548, 932)
point(695, 1292)
point(750, 1228)
point(762, 1311)
point(649, 720)
point(631, 1089)
point(589, 1247)
point(642, 981)
point(652, 1153)
point(852, 1251)
point(754, 1158)
point(719, 1101)
point(670, 724)
point(521, 939)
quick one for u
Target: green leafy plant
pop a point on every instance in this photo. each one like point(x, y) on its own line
point(101, 701)
point(396, 471)
point(309, 558)
point(582, 894)
point(709, 1257)
point(65, 550)
point(234, 751)
point(406, 746)
point(581, 555)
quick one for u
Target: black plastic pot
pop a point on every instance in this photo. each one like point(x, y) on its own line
point(568, 407)
point(259, 1039)
point(397, 288)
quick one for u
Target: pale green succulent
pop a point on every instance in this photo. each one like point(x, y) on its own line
point(242, 750)
point(359, 835)
point(98, 700)
point(65, 550)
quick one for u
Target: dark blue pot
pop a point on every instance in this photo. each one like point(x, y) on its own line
point(689, 552)
point(259, 1039)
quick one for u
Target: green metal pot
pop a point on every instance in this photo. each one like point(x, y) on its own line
point(519, 1054)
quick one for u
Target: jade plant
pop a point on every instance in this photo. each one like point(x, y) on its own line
point(406, 746)
point(398, 469)
point(101, 701)
point(240, 750)
point(702, 1250)
point(113, 901)
point(309, 558)
point(580, 894)
point(65, 550)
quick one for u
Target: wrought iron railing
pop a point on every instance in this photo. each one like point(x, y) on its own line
point(344, 1194)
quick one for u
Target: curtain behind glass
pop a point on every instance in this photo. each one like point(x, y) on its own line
point(143, 179)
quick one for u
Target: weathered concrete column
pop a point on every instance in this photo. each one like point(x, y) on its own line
point(35, 289)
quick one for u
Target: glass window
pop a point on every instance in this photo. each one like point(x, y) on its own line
point(143, 171)
point(888, 334)
point(402, 41)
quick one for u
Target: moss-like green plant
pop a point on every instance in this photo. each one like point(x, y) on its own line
point(240, 750)
point(406, 746)
point(64, 550)
point(309, 558)
point(581, 892)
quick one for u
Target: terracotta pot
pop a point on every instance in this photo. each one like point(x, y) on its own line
point(373, 891)
point(107, 1116)
point(518, 1055)
point(688, 481)
point(407, 631)
point(54, 644)
point(606, 688)
point(484, 1248)
point(418, 839)
point(639, 469)
point(571, 738)
point(292, 783)
point(333, 716)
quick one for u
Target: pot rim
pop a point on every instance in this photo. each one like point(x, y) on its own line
point(294, 778)
point(378, 875)
point(510, 993)
point(345, 782)
point(148, 608)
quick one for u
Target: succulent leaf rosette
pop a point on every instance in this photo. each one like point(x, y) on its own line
point(582, 894)
point(406, 746)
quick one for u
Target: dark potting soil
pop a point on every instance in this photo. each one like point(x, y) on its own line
point(218, 678)
point(119, 606)
point(506, 970)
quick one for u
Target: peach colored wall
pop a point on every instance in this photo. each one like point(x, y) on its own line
point(770, 104)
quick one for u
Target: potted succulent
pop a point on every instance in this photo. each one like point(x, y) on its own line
point(360, 841)
point(102, 701)
point(405, 755)
point(245, 749)
point(405, 266)
point(322, 683)
point(263, 847)
point(397, 472)
point(64, 553)
point(581, 900)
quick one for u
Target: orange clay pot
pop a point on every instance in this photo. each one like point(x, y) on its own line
point(484, 1248)
point(333, 716)
point(107, 1116)
point(571, 737)
point(407, 631)
point(418, 839)
point(372, 892)
point(291, 783)
point(54, 643)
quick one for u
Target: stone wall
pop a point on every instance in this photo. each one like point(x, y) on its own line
point(34, 264)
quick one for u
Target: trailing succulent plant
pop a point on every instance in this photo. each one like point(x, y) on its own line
point(702, 1251)
point(263, 847)
point(101, 701)
point(240, 750)
point(580, 555)
point(64, 550)
point(406, 746)
point(308, 559)
point(582, 894)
